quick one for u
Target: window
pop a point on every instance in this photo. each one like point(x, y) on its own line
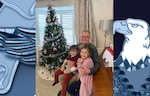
point(65, 16)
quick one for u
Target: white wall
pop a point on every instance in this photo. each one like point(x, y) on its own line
point(45, 3)
point(102, 10)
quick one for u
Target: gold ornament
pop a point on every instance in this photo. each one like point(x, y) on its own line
point(45, 51)
point(60, 60)
point(54, 49)
point(58, 46)
point(49, 20)
point(50, 55)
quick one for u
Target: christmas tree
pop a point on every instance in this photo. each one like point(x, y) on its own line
point(55, 48)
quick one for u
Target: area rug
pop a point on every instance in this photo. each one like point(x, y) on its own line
point(45, 74)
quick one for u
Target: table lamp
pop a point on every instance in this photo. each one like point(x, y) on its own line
point(106, 26)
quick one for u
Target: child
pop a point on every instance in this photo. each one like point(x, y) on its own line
point(85, 61)
point(68, 69)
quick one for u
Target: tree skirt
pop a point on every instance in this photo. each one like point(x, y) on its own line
point(45, 74)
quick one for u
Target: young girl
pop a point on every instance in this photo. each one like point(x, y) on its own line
point(86, 86)
point(68, 69)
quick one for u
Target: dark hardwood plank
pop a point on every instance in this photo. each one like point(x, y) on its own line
point(103, 84)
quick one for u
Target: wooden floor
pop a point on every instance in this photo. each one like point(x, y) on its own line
point(103, 84)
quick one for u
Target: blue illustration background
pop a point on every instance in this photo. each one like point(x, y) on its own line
point(10, 16)
point(15, 14)
point(124, 9)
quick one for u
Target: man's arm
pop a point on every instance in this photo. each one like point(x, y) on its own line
point(95, 59)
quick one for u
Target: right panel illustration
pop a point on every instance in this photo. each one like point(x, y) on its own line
point(131, 48)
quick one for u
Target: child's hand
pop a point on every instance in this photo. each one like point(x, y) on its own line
point(62, 68)
point(65, 71)
point(70, 63)
point(73, 69)
point(80, 60)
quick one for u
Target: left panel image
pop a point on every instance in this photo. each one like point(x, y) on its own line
point(17, 47)
point(55, 34)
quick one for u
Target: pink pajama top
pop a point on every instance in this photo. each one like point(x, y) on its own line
point(86, 86)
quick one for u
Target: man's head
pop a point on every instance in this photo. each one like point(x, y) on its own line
point(85, 37)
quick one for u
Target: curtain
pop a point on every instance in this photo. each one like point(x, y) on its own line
point(84, 19)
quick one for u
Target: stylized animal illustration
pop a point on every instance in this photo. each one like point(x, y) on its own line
point(16, 45)
point(132, 66)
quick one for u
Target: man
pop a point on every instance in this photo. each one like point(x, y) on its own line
point(73, 89)
point(85, 38)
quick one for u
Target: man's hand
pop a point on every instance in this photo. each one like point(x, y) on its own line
point(85, 70)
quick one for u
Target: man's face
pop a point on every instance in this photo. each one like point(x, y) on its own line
point(85, 37)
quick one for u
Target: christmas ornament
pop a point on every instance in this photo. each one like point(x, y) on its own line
point(53, 19)
point(55, 48)
point(45, 51)
point(55, 31)
point(50, 55)
point(58, 46)
point(60, 60)
point(48, 20)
